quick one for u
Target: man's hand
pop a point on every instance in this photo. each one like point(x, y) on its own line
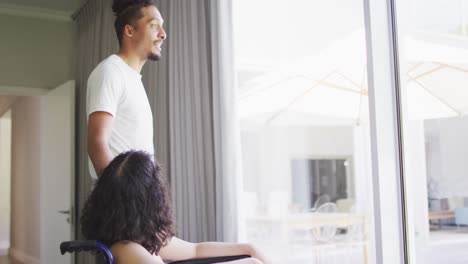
point(99, 131)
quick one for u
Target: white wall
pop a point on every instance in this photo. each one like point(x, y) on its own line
point(25, 202)
point(454, 154)
point(277, 146)
point(448, 157)
point(5, 179)
point(416, 186)
point(35, 52)
point(440, 15)
point(435, 149)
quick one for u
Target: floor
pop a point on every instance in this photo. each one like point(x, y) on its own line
point(447, 245)
point(449, 235)
point(7, 260)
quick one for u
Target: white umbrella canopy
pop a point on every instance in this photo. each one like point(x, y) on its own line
point(300, 100)
point(437, 90)
point(428, 46)
point(331, 88)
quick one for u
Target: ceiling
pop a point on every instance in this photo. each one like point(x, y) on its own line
point(5, 103)
point(68, 6)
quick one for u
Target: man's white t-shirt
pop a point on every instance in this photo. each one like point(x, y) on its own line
point(116, 88)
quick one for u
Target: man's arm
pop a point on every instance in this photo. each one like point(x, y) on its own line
point(99, 131)
point(178, 249)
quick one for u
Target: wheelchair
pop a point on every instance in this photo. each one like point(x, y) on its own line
point(92, 246)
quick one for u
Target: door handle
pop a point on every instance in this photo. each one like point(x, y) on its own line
point(65, 212)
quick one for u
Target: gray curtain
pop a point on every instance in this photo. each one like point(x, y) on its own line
point(192, 94)
point(96, 41)
point(227, 136)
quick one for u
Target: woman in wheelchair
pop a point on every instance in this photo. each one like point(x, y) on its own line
point(129, 210)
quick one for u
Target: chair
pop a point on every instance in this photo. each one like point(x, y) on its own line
point(345, 205)
point(444, 204)
point(327, 232)
point(322, 199)
point(354, 232)
point(461, 216)
point(98, 247)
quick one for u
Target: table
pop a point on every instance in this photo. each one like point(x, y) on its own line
point(440, 215)
point(308, 221)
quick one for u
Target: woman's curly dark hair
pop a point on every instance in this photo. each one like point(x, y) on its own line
point(130, 202)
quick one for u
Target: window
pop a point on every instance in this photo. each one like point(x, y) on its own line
point(307, 177)
point(434, 75)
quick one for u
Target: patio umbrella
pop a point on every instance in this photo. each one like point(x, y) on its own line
point(331, 88)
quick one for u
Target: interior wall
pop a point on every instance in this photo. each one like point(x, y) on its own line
point(5, 179)
point(5, 103)
point(278, 146)
point(25, 202)
point(36, 52)
point(447, 152)
point(40, 54)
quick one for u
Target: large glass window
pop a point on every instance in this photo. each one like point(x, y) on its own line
point(433, 44)
point(303, 100)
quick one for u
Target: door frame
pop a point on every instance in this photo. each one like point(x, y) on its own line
point(23, 91)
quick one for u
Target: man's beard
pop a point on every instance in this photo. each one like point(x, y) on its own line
point(154, 56)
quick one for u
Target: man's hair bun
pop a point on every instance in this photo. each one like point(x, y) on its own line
point(118, 6)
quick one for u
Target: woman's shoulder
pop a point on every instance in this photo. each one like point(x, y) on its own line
point(131, 252)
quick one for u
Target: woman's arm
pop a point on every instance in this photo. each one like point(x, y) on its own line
point(178, 249)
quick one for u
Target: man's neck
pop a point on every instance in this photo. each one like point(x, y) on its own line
point(132, 60)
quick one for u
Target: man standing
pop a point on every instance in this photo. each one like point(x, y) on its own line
point(117, 107)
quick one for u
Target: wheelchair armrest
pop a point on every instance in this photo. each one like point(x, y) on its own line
point(92, 245)
point(210, 260)
point(87, 245)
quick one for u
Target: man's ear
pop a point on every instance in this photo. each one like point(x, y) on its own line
point(129, 31)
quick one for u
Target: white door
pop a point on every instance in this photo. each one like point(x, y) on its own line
point(57, 171)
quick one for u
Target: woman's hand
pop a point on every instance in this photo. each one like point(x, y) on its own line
point(254, 261)
point(257, 255)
